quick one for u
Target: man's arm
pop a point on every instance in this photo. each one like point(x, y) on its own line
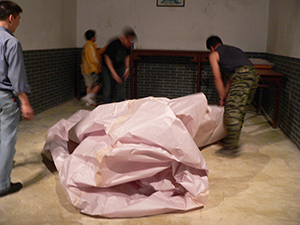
point(214, 62)
point(228, 83)
point(127, 65)
point(110, 66)
point(18, 78)
point(27, 110)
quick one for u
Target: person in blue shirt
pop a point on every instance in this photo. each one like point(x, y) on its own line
point(13, 89)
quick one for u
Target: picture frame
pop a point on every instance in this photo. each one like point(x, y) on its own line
point(170, 3)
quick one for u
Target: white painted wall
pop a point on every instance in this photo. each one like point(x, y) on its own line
point(242, 23)
point(47, 24)
point(284, 28)
point(271, 26)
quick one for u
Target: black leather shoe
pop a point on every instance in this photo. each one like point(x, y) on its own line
point(14, 187)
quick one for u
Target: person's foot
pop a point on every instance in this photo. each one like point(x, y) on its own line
point(14, 187)
point(228, 152)
point(84, 98)
point(89, 101)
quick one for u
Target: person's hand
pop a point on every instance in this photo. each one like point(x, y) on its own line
point(222, 101)
point(119, 80)
point(126, 74)
point(27, 112)
point(116, 77)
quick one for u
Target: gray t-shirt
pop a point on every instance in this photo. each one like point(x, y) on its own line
point(231, 58)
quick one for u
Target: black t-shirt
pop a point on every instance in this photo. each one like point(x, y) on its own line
point(117, 53)
point(231, 58)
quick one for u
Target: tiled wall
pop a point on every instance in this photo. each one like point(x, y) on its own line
point(171, 77)
point(53, 76)
point(289, 109)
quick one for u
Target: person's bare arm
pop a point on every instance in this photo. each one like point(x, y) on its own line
point(127, 64)
point(214, 62)
point(228, 84)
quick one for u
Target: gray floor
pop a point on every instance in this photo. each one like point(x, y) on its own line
point(259, 186)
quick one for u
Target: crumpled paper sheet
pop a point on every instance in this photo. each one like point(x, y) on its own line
point(137, 157)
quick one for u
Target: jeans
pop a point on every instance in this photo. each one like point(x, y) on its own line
point(9, 119)
point(109, 82)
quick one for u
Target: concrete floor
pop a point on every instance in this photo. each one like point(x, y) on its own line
point(259, 186)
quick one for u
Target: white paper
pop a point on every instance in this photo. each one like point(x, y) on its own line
point(137, 157)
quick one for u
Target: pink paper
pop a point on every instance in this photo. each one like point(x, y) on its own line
point(137, 157)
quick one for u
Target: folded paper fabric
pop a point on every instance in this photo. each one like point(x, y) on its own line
point(137, 157)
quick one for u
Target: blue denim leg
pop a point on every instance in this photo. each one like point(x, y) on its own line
point(107, 85)
point(9, 120)
point(120, 90)
point(106, 89)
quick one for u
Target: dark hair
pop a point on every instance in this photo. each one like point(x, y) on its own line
point(128, 31)
point(89, 34)
point(213, 41)
point(8, 8)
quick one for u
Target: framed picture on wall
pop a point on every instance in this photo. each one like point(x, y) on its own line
point(168, 3)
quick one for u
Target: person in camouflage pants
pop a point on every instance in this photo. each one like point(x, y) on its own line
point(238, 93)
point(244, 83)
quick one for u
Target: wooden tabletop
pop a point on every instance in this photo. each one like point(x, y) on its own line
point(269, 72)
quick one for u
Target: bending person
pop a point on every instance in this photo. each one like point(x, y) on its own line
point(238, 93)
point(116, 64)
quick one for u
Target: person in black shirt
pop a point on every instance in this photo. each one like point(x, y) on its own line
point(116, 62)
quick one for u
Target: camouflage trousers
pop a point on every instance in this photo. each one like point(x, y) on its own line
point(244, 82)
